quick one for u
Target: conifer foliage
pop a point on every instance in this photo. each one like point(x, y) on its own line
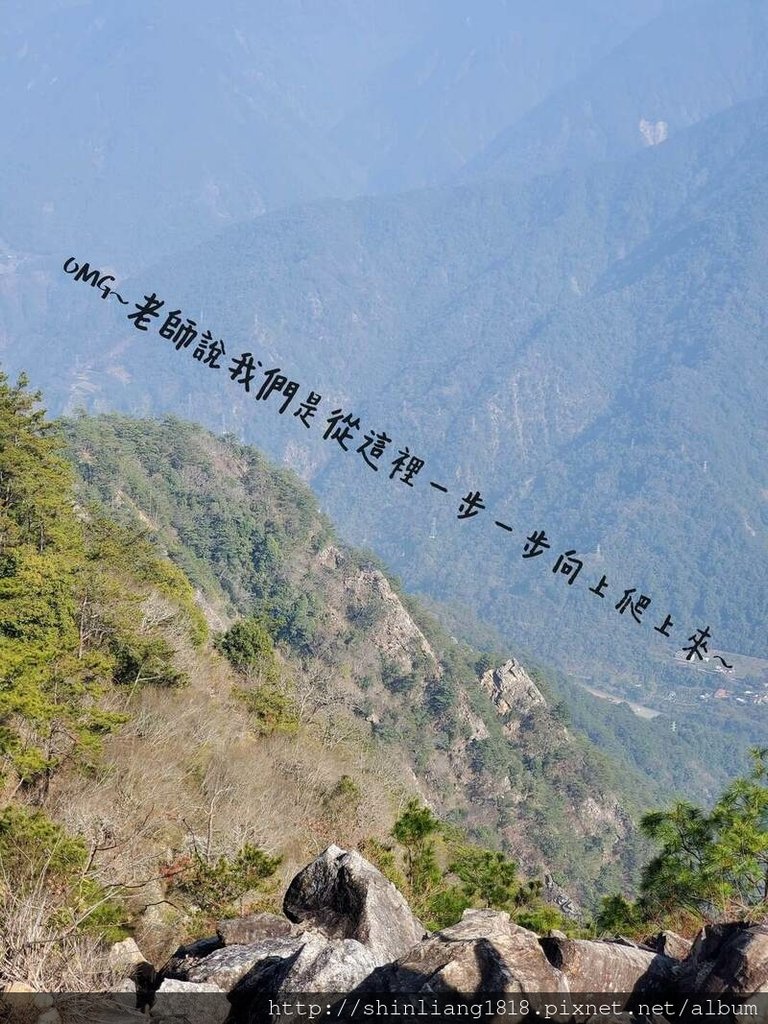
point(82, 606)
point(49, 681)
point(710, 865)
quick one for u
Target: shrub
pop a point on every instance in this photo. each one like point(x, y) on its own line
point(47, 897)
point(271, 709)
point(248, 646)
point(216, 887)
point(395, 680)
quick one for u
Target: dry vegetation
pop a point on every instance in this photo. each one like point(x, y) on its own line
point(188, 770)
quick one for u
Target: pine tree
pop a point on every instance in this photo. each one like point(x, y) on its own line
point(710, 866)
point(49, 685)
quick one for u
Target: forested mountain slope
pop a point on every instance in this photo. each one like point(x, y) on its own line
point(248, 107)
point(193, 732)
point(189, 729)
point(592, 333)
point(489, 749)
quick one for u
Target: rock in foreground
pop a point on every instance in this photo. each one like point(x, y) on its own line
point(484, 952)
point(345, 897)
point(597, 966)
point(348, 930)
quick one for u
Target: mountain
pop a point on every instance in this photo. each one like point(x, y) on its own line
point(686, 64)
point(475, 71)
point(479, 731)
point(200, 685)
point(505, 269)
point(538, 340)
point(594, 332)
point(170, 123)
point(484, 741)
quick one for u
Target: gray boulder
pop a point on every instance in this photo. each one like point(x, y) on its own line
point(484, 952)
point(670, 944)
point(191, 1003)
point(322, 965)
point(345, 897)
point(225, 967)
point(240, 931)
point(605, 966)
point(319, 965)
point(727, 958)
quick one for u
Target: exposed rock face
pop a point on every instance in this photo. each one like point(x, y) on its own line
point(240, 931)
point(395, 635)
point(730, 958)
point(512, 690)
point(595, 966)
point(345, 897)
point(484, 952)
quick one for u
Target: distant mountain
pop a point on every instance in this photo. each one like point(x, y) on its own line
point(689, 62)
point(134, 130)
point(584, 348)
point(592, 333)
point(475, 70)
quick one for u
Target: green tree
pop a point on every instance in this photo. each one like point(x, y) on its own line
point(415, 830)
point(218, 886)
point(248, 646)
point(271, 708)
point(618, 916)
point(84, 603)
point(710, 866)
point(49, 682)
point(714, 864)
point(489, 878)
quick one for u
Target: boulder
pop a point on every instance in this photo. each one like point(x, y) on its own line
point(124, 956)
point(241, 931)
point(327, 965)
point(319, 965)
point(225, 967)
point(188, 955)
point(670, 944)
point(727, 958)
point(190, 1002)
point(605, 966)
point(484, 952)
point(343, 896)
point(710, 939)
